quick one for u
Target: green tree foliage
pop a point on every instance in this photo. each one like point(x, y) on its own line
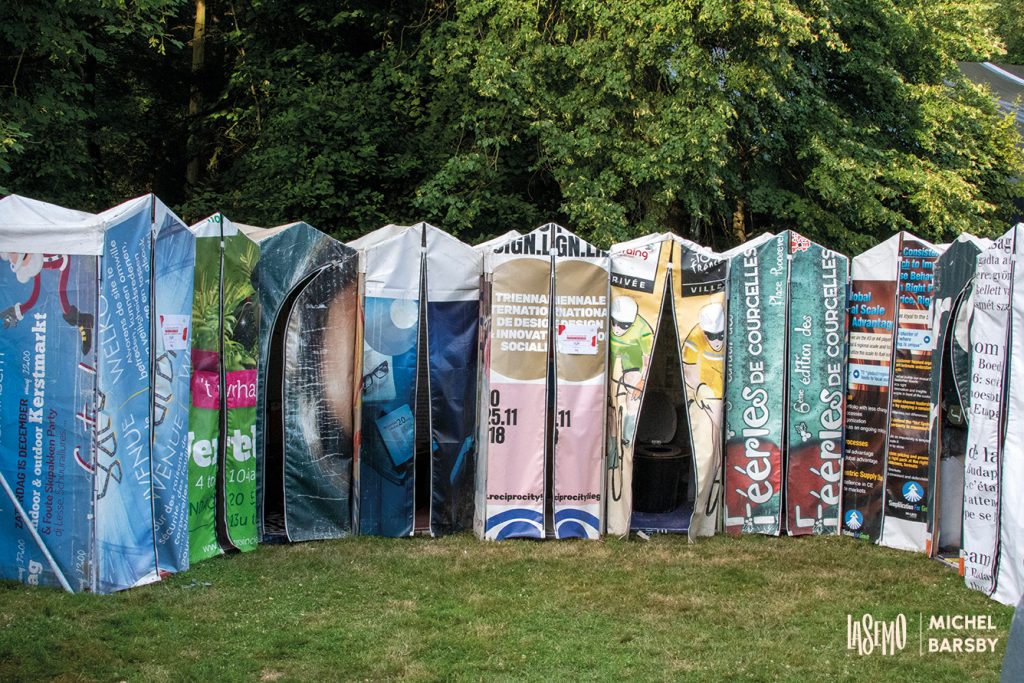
point(844, 120)
point(85, 100)
point(1008, 19)
point(716, 119)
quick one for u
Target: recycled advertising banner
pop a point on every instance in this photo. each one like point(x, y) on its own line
point(639, 275)
point(756, 398)
point(78, 506)
point(48, 361)
point(954, 272)
point(441, 290)
point(308, 292)
point(319, 362)
point(205, 410)
point(241, 324)
point(912, 410)
point(125, 539)
point(816, 399)
point(990, 328)
point(1010, 574)
point(698, 296)
point(222, 420)
point(391, 312)
point(581, 352)
point(483, 373)
point(453, 277)
point(518, 346)
point(173, 280)
point(872, 321)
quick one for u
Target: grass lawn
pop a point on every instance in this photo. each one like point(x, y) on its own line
point(747, 609)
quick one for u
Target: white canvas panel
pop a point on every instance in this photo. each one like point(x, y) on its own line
point(453, 267)
point(989, 327)
point(1010, 575)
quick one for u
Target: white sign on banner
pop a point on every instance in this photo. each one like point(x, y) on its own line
point(174, 329)
point(578, 338)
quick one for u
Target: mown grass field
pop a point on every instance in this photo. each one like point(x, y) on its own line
point(749, 609)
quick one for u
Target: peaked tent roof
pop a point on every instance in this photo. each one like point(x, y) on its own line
point(28, 225)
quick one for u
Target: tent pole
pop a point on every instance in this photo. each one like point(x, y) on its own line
point(35, 535)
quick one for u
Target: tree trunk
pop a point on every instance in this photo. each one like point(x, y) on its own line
point(195, 99)
point(739, 229)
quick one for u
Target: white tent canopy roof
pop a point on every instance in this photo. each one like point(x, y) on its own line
point(497, 241)
point(380, 235)
point(749, 244)
point(31, 226)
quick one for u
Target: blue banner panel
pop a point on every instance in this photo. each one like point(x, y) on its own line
point(47, 414)
point(388, 426)
point(125, 539)
point(452, 342)
point(173, 274)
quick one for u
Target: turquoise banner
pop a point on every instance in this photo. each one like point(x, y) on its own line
point(816, 387)
point(756, 387)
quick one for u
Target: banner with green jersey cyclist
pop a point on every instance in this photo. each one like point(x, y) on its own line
point(639, 274)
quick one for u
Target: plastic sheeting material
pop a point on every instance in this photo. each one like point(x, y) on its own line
point(642, 272)
point(527, 338)
point(307, 283)
point(954, 272)
point(889, 410)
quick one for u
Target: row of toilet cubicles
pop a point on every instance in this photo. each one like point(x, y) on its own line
point(169, 393)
